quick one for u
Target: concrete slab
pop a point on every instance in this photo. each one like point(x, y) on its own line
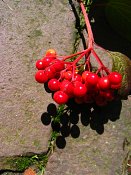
point(27, 30)
point(94, 152)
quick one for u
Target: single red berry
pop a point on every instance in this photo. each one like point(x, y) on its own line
point(54, 85)
point(92, 79)
point(104, 83)
point(46, 61)
point(68, 75)
point(77, 77)
point(51, 53)
point(80, 90)
point(41, 77)
point(39, 64)
point(76, 83)
point(60, 97)
point(76, 71)
point(50, 72)
point(57, 75)
point(62, 74)
point(109, 95)
point(58, 65)
point(84, 75)
point(67, 87)
point(115, 78)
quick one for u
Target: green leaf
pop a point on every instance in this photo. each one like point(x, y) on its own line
point(118, 14)
point(122, 64)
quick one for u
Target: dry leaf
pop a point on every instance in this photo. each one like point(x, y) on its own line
point(29, 171)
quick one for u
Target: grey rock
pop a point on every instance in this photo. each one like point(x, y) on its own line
point(92, 153)
point(27, 30)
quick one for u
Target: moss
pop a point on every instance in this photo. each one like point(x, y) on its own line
point(16, 2)
point(19, 163)
point(41, 1)
point(22, 142)
point(28, 113)
point(36, 33)
point(41, 161)
point(36, 143)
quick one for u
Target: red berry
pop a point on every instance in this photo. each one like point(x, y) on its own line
point(62, 74)
point(104, 83)
point(39, 64)
point(54, 85)
point(77, 77)
point(115, 78)
point(46, 61)
point(68, 75)
point(58, 65)
point(67, 87)
point(57, 75)
point(76, 71)
point(51, 53)
point(92, 79)
point(76, 83)
point(80, 90)
point(84, 75)
point(109, 95)
point(41, 77)
point(50, 72)
point(60, 97)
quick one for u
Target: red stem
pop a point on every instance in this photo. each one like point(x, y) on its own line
point(72, 55)
point(87, 51)
point(90, 34)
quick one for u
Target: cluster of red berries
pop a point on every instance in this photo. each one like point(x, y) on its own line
point(66, 81)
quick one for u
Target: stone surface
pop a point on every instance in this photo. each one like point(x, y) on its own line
point(27, 30)
point(95, 153)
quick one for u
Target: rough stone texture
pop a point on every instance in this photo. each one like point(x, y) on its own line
point(92, 153)
point(27, 30)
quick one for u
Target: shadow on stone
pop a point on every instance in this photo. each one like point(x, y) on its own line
point(77, 24)
point(65, 121)
point(75, 131)
point(51, 109)
point(10, 172)
point(104, 35)
point(46, 118)
point(46, 88)
point(60, 142)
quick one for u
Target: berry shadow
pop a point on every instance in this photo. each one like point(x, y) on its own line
point(64, 119)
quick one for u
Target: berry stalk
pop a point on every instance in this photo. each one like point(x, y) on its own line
point(90, 34)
